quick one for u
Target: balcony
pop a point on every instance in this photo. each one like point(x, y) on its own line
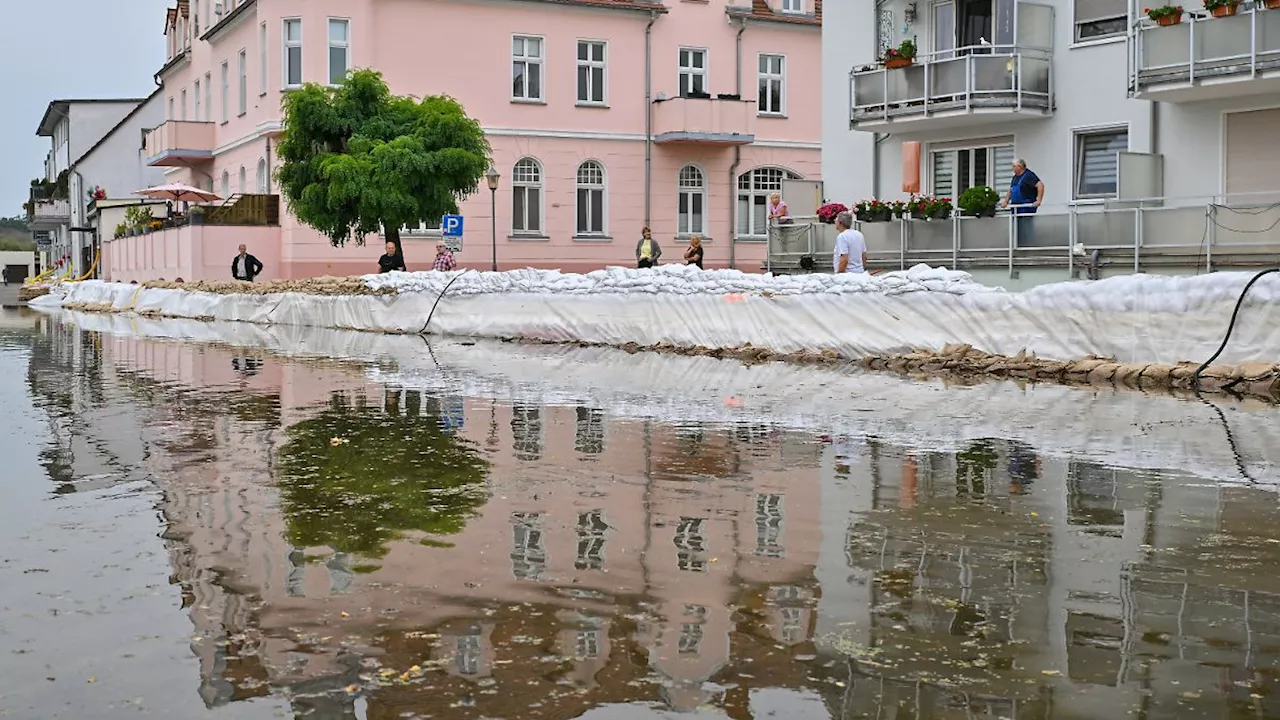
point(48, 214)
point(178, 143)
point(1206, 58)
point(706, 121)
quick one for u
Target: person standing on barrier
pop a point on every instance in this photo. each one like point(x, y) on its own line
point(851, 246)
point(693, 255)
point(1026, 192)
point(245, 266)
point(647, 250)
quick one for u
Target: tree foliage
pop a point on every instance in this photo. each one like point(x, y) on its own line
point(358, 160)
point(355, 478)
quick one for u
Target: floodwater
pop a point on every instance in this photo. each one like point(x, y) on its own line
point(194, 531)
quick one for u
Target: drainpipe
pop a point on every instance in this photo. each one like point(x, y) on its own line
point(1155, 127)
point(267, 175)
point(648, 117)
point(737, 154)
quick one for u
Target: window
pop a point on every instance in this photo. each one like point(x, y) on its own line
point(588, 436)
point(208, 97)
point(591, 66)
point(243, 185)
point(526, 68)
point(772, 83)
point(197, 101)
point(526, 201)
point(184, 104)
point(226, 90)
point(693, 72)
point(226, 184)
point(170, 115)
point(691, 545)
point(339, 50)
point(262, 176)
point(590, 198)
point(1099, 18)
point(769, 526)
point(792, 6)
point(292, 52)
point(262, 58)
point(754, 189)
point(955, 170)
point(526, 432)
point(422, 228)
point(195, 18)
point(528, 548)
point(592, 531)
point(1096, 164)
point(242, 70)
point(691, 201)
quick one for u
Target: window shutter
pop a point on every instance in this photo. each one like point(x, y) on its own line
point(1087, 11)
point(1002, 176)
point(1098, 166)
point(944, 173)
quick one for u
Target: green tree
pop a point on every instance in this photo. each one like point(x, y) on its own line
point(17, 222)
point(358, 160)
point(355, 478)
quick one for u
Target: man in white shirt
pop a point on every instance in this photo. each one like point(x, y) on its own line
point(851, 246)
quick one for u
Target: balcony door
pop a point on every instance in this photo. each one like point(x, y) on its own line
point(944, 30)
point(973, 23)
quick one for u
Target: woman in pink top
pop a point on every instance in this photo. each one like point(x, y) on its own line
point(778, 209)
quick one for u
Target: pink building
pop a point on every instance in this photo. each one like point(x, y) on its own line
point(603, 115)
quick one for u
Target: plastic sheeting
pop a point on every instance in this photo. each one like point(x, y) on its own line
point(1139, 318)
point(1117, 428)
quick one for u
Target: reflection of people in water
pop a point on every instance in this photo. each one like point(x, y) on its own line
point(1024, 467)
point(246, 367)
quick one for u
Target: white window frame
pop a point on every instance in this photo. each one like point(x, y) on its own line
point(522, 185)
point(262, 59)
point(601, 187)
point(688, 193)
point(208, 97)
point(1078, 160)
point(170, 116)
point(691, 71)
point(768, 76)
point(591, 66)
point(198, 106)
point(999, 162)
point(1118, 24)
point(226, 184)
point(242, 181)
point(288, 45)
point(195, 15)
point(183, 107)
point(755, 190)
point(793, 6)
point(422, 229)
point(226, 90)
point(344, 46)
point(262, 176)
point(242, 68)
point(530, 62)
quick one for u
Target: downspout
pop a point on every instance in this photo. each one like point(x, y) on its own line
point(648, 117)
point(267, 170)
point(737, 153)
point(1155, 127)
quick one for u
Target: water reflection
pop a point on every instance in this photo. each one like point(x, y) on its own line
point(385, 552)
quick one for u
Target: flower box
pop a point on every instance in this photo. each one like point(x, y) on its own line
point(897, 63)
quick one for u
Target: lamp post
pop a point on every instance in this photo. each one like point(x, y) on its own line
point(492, 177)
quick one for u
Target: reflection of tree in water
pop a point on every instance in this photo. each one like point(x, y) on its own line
point(387, 474)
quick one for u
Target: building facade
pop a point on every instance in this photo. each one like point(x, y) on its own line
point(1144, 146)
point(603, 117)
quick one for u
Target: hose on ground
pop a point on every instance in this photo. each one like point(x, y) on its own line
point(1230, 326)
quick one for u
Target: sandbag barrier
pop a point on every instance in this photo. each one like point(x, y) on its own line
point(326, 286)
point(31, 292)
point(968, 364)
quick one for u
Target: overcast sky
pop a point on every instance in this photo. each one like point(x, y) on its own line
point(56, 49)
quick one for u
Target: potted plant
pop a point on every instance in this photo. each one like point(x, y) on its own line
point(828, 212)
point(1271, 4)
point(872, 211)
point(1221, 8)
point(940, 208)
point(898, 209)
point(156, 225)
point(196, 215)
point(1165, 14)
point(980, 201)
point(121, 229)
point(902, 56)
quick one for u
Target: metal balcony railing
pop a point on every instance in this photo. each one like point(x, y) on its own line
point(1202, 48)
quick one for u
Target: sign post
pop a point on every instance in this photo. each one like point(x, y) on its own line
point(451, 232)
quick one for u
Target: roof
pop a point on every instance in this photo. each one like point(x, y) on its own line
point(228, 19)
point(118, 125)
point(58, 109)
point(641, 5)
point(760, 10)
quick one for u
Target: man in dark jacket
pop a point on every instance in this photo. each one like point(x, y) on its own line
point(245, 266)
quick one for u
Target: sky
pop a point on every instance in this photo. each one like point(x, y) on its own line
point(55, 49)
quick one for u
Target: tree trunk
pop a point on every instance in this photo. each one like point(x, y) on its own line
point(393, 236)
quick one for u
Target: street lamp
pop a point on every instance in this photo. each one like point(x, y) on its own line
point(492, 177)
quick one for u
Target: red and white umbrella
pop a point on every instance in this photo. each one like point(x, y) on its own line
point(178, 192)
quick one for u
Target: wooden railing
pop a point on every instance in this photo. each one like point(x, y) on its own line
point(255, 210)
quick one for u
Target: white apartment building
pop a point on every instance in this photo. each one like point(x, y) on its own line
point(1156, 144)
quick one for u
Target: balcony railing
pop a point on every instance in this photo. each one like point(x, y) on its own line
point(952, 88)
point(1199, 234)
point(178, 143)
point(1205, 57)
point(47, 214)
point(717, 121)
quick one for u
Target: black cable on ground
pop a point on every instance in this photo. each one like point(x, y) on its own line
point(437, 302)
point(1231, 326)
point(1231, 440)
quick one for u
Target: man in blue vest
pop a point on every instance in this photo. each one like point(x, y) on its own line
point(1026, 192)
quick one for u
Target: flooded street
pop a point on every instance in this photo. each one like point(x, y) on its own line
point(206, 531)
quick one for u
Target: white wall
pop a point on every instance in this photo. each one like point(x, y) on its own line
point(117, 164)
point(90, 121)
point(15, 257)
point(848, 38)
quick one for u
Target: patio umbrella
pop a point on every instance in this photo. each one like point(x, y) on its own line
point(178, 192)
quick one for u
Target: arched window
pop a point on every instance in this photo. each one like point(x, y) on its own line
point(226, 184)
point(243, 186)
point(526, 197)
point(754, 188)
point(591, 198)
point(262, 176)
point(691, 202)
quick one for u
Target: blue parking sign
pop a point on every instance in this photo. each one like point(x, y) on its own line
point(451, 226)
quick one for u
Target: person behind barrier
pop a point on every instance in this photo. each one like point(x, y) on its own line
point(778, 210)
point(693, 255)
point(647, 250)
point(1026, 192)
point(444, 259)
point(391, 259)
point(245, 266)
point(851, 247)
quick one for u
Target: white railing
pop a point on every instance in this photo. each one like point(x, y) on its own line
point(1203, 47)
point(1186, 232)
point(983, 76)
point(51, 210)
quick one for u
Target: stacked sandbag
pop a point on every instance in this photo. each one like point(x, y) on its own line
point(327, 286)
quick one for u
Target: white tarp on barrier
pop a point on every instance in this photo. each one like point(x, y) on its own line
point(1119, 428)
point(1139, 318)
